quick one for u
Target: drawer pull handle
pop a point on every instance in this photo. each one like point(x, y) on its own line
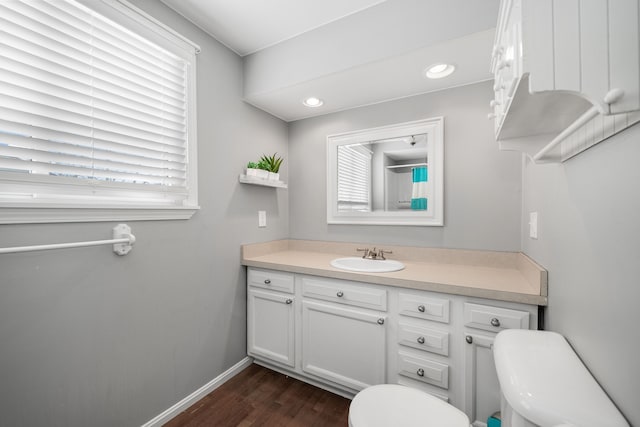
point(469, 339)
point(420, 340)
point(381, 321)
point(267, 281)
point(495, 322)
point(288, 301)
point(421, 308)
point(340, 294)
point(420, 372)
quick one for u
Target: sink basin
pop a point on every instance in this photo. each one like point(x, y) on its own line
point(363, 265)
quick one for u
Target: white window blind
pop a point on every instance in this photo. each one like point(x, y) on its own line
point(354, 178)
point(91, 113)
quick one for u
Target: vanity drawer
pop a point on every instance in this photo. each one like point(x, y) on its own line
point(269, 279)
point(424, 307)
point(424, 370)
point(422, 338)
point(494, 319)
point(345, 293)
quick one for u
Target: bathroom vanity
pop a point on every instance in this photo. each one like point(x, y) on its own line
point(429, 326)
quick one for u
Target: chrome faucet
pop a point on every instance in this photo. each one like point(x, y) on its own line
point(373, 253)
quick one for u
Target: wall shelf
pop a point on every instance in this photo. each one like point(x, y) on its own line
point(244, 179)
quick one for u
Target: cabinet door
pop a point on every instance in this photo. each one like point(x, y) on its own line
point(270, 326)
point(343, 344)
point(482, 390)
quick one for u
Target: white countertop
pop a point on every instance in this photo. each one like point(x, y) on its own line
point(504, 276)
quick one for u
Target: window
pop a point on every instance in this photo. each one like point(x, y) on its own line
point(97, 114)
point(354, 178)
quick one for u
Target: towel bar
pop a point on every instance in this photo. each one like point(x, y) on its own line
point(122, 243)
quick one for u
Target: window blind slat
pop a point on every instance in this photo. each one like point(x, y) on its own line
point(30, 137)
point(37, 91)
point(354, 178)
point(51, 118)
point(88, 172)
point(22, 66)
point(19, 146)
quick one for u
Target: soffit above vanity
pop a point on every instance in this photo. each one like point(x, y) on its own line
point(347, 53)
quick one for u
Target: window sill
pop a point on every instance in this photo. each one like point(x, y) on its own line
point(26, 215)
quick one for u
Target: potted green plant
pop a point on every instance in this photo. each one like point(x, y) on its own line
point(273, 164)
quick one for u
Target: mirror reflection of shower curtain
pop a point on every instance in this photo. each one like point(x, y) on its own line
point(419, 193)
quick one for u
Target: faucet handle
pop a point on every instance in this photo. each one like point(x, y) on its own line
point(381, 253)
point(365, 250)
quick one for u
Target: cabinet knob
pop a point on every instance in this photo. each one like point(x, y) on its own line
point(469, 339)
point(420, 340)
point(495, 322)
point(289, 301)
point(498, 86)
point(491, 116)
point(420, 372)
point(421, 308)
point(340, 294)
point(267, 281)
point(493, 103)
point(381, 321)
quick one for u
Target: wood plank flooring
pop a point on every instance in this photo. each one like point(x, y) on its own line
point(261, 397)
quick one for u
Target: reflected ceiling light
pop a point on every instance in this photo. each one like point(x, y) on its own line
point(313, 102)
point(437, 71)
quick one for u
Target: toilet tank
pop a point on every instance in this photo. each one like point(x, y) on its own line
point(544, 383)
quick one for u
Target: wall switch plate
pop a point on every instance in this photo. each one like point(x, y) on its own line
point(262, 219)
point(533, 225)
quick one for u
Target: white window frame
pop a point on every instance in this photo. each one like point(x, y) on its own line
point(28, 209)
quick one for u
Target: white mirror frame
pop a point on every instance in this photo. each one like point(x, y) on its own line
point(433, 216)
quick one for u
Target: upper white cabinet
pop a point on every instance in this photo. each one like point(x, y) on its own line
point(567, 74)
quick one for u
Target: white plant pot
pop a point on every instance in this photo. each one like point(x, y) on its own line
point(252, 172)
point(262, 174)
point(274, 176)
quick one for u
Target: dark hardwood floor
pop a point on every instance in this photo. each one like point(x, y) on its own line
point(261, 397)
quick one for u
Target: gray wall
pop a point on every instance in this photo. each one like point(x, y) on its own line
point(88, 338)
point(589, 241)
point(482, 185)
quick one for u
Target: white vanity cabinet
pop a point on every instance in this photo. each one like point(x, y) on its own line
point(345, 335)
point(344, 331)
point(271, 316)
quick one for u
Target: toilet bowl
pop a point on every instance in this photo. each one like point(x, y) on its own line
point(395, 405)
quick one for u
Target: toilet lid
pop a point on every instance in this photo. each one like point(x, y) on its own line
point(400, 406)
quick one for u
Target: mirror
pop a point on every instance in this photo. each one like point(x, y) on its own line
point(390, 175)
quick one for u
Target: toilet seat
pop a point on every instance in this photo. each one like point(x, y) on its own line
point(395, 405)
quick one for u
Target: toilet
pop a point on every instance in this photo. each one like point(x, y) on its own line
point(386, 405)
point(542, 380)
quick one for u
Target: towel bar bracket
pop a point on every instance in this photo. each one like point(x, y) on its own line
point(123, 231)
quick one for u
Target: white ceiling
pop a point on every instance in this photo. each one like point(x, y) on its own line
point(349, 53)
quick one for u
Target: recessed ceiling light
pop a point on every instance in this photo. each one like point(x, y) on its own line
point(437, 71)
point(313, 102)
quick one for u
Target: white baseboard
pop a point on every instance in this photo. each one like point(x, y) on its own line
point(176, 409)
